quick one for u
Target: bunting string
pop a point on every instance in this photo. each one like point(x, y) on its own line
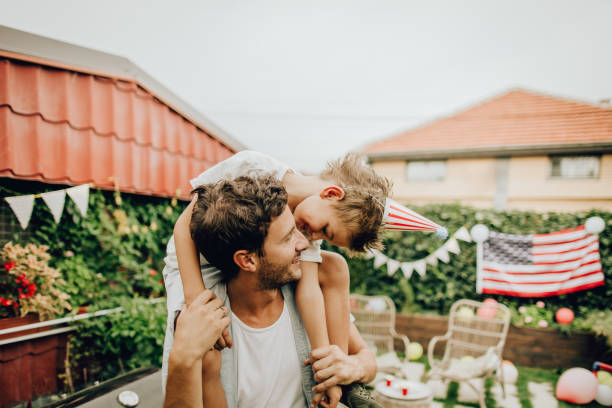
point(420, 266)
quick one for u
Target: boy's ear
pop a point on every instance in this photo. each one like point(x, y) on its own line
point(245, 260)
point(332, 192)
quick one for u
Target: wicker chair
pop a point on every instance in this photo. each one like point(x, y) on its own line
point(477, 330)
point(375, 320)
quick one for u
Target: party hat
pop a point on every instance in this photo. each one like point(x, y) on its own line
point(398, 217)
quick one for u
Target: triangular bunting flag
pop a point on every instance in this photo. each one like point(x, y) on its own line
point(463, 234)
point(55, 201)
point(22, 207)
point(432, 260)
point(80, 196)
point(420, 267)
point(392, 266)
point(442, 254)
point(379, 259)
point(407, 268)
point(453, 246)
point(368, 255)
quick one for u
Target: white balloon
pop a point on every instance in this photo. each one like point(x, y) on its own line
point(479, 232)
point(604, 395)
point(510, 373)
point(594, 225)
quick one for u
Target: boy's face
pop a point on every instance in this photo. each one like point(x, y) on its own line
point(315, 216)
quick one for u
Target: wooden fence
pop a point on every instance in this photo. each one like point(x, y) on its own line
point(534, 347)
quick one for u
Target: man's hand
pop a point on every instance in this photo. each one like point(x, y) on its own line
point(199, 326)
point(332, 367)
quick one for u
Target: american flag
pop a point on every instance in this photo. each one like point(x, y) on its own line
point(539, 265)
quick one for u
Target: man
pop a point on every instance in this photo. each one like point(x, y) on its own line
point(249, 233)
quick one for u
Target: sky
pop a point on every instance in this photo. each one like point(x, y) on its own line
point(309, 81)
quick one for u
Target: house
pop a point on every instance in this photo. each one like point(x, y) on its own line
point(519, 150)
point(70, 115)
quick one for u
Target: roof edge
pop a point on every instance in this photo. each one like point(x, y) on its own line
point(47, 51)
point(498, 151)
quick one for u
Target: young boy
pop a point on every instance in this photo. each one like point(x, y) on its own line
point(342, 205)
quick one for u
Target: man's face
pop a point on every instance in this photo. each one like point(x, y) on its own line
point(280, 262)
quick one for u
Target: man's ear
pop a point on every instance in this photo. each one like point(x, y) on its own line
point(333, 193)
point(245, 260)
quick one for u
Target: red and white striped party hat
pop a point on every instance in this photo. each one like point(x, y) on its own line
point(398, 217)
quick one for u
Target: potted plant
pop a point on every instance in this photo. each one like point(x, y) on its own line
point(29, 291)
point(29, 284)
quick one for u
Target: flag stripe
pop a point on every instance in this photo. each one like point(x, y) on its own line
point(541, 294)
point(546, 287)
point(541, 268)
point(594, 262)
point(567, 256)
point(537, 282)
point(556, 237)
point(594, 251)
point(564, 247)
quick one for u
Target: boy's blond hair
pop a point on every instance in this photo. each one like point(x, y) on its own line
point(361, 210)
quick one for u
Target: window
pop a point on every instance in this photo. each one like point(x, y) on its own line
point(429, 170)
point(574, 166)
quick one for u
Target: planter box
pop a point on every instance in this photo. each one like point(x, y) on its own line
point(534, 347)
point(29, 368)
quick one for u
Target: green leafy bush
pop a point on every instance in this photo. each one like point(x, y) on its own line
point(107, 345)
point(445, 283)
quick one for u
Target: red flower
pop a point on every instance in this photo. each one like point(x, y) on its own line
point(152, 272)
point(9, 265)
point(5, 302)
point(15, 305)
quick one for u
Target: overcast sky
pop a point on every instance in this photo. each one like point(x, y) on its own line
point(307, 81)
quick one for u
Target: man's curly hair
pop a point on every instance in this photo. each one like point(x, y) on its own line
point(365, 192)
point(231, 215)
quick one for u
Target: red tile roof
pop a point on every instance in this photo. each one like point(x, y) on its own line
point(516, 120)
point(69, 127)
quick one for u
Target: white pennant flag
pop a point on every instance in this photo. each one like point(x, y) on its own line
point(80, 196)
point(55, 201)
point(432, 260)
point(407, 268)
point(392, 266)
point(442, 254)
point(463, 234)
point(420, 267)
point(379, 259)
point(368, 255)
point(22, 207)
point(453, 246)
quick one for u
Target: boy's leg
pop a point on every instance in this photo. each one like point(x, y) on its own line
point(334, 279)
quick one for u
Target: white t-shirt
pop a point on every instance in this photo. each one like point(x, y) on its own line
point(244, 163)
point(268, 366)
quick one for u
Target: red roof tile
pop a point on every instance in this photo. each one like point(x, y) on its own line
point(62, 126)
point(515, 119)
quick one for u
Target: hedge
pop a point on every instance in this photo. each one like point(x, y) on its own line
point(445, 283)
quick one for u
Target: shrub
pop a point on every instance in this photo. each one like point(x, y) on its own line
point(445, 283)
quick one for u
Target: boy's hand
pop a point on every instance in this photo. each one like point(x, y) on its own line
point(329, 399)
point(224, 341)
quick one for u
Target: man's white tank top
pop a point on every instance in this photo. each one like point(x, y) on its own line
point(268, 366)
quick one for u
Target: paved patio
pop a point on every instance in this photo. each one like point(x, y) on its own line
point(542, 394)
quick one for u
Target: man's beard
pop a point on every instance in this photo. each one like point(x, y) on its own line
point(273, 275)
